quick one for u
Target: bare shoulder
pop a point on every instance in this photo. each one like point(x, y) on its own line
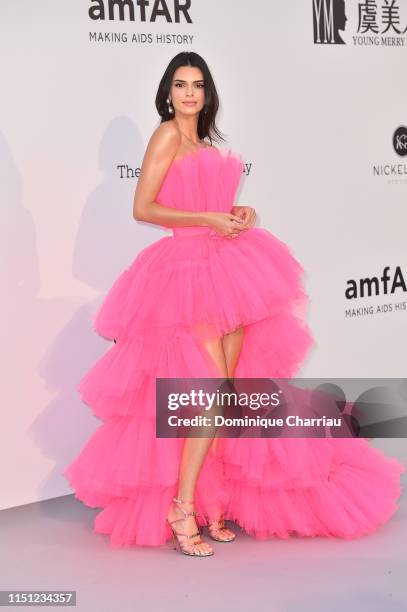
point(168, 130)
point(164, 142)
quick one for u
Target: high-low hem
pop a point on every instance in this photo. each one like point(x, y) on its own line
point(177, 294)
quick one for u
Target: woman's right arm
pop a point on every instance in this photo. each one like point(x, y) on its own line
point(160, 152)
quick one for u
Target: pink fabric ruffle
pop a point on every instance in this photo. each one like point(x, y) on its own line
point(179, 292)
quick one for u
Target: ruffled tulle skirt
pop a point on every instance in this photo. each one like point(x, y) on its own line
point(178, 293)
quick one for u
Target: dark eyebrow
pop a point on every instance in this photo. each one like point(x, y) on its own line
point(182, 81)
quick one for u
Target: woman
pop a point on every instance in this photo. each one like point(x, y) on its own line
point(216, 299)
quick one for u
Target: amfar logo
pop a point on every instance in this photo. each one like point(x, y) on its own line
point(400, 140)
point(375, 285)
point(125, 10)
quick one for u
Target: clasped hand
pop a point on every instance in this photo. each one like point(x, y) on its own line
point(230, 224)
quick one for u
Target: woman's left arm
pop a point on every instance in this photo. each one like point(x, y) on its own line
point(246, 213)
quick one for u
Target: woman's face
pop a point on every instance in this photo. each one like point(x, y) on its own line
point(187, 92)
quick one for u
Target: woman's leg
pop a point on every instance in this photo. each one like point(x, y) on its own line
point(193, 455)
point(232, 344)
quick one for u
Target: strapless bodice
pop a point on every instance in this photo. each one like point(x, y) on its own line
point(205, 180)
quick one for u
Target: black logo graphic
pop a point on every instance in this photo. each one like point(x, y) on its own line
point(328, 17)
point(378, 22)
point(400, 140)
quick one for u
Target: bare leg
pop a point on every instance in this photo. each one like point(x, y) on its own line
point(193, 455)
point(232, 344)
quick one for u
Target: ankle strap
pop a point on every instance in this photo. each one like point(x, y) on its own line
point(178, 500)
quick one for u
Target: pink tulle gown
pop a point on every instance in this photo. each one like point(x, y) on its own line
point(179, 291)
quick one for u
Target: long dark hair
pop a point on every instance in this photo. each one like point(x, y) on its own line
point(206, 120)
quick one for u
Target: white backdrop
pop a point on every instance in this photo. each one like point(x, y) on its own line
point(312, 120)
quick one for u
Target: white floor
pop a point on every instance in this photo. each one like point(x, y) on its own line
point(50, 545)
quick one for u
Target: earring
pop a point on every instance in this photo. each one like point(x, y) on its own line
point(170, 109)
